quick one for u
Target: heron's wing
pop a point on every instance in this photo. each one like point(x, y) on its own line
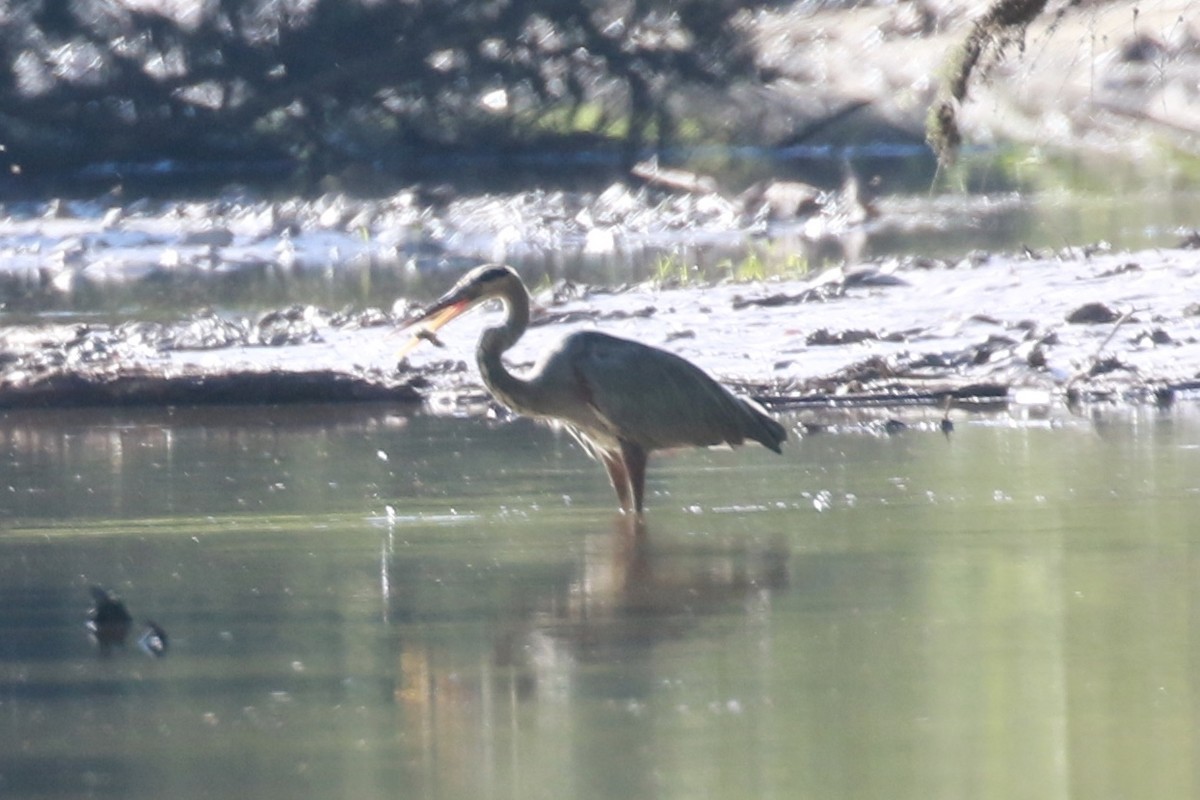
point(656, 399)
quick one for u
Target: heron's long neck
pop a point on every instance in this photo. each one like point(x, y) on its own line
point(514, 392)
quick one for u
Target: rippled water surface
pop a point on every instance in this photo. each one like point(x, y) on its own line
point(1007, 611)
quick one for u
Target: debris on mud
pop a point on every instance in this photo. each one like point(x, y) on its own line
point(201, 360)
point(817, 294)
point(826, 338)
point(1092, 314)
point(1001, 330)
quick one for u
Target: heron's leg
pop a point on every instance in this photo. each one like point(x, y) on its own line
point(618, 477)
point(635, 465)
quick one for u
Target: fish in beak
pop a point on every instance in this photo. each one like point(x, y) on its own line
point(433, 318)
point(489, 280)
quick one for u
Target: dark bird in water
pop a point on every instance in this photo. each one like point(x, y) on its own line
point(153, 640)
point(109, 620)
point(621, 399)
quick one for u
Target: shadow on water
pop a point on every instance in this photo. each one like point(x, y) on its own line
point(364, 604)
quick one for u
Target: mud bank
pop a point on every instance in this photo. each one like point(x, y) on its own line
point(1039, 329)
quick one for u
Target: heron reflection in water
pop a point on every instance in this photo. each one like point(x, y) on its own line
point(621, 399)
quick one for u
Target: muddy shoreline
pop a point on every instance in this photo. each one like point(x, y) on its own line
point(1049, 330)
point(1031, 328)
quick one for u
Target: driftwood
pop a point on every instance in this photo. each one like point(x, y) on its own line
point(148, 388)
point(675, 180)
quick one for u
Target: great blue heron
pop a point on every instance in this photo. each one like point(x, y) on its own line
point(621, 399)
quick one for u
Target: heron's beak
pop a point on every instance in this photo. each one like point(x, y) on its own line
point(433, 319)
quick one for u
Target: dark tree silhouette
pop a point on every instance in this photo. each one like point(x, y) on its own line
point(324, 82)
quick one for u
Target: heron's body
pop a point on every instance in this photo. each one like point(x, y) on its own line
point(620, 398)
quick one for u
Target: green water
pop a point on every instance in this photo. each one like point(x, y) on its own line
point(1007, 612)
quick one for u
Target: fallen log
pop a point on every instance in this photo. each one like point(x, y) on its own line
point(140, 387)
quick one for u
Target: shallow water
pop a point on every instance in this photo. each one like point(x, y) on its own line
point(1007, 610)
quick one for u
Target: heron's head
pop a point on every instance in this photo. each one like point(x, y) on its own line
point(477, 286)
